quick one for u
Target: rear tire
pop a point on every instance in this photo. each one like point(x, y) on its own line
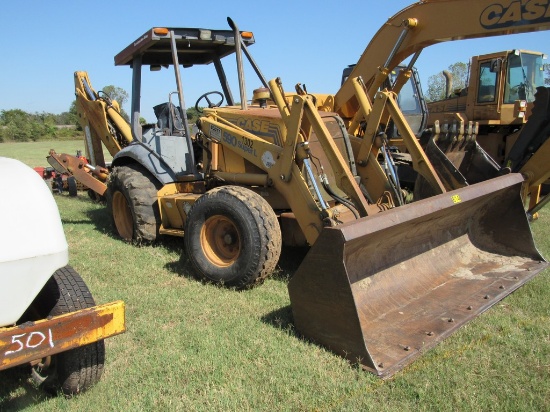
point(75, 370)
point(132, 202)
point(232, 237)
point(72, 186)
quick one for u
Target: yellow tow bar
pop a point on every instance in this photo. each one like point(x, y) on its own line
point(35, 340)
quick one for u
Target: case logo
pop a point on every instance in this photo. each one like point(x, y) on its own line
point(515, 13)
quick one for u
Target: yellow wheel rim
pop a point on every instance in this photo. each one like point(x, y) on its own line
point(122, 215)
point(220, 241)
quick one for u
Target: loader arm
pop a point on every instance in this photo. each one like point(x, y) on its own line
point(385, 106)
point(308, 114)
point(435, 21)
point(264, 154)
point(285, 164)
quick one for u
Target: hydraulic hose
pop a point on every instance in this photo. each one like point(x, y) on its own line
point(345, 202)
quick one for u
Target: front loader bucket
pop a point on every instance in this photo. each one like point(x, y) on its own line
point(382, 289)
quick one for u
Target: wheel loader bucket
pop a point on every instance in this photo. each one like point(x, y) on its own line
point(382, 289)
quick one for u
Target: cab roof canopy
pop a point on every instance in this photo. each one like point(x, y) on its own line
point(194, 46)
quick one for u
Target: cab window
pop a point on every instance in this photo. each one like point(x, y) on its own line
point(487, 83)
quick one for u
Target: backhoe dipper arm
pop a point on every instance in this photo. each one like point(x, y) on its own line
point(435, 21)
point(101, 121)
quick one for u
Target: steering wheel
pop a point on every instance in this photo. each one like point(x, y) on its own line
point(514, 89)
point(522, 90)
point(206, 96)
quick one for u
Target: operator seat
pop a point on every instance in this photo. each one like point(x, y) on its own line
point(164, 112)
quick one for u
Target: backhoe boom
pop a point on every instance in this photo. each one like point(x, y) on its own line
point(435, 21)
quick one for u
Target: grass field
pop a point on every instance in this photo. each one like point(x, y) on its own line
point(191, 346)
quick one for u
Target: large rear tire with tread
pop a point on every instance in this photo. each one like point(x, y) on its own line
point(132, 202)
point(232, 237)
point(75, 370)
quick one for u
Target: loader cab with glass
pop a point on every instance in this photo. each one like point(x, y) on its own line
point(524, 73)
point(499, 98)
point(521, 72)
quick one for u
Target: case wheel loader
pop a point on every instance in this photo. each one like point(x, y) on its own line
point(499, 124)
point(283, 169)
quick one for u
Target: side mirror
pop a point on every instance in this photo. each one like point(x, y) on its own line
point(495, 65)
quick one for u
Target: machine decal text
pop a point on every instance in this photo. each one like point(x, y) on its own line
point(517, 13)
point(229, 139)
point(215, 132)
point(245, 144)
point(255, 125)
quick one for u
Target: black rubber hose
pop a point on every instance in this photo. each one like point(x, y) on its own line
point(345, 202)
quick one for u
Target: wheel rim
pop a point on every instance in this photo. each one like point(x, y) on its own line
point(220, 241)
point(122, 215)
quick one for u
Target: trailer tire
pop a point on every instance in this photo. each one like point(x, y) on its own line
point(75, 370)
point(72, 186)
point(132, 203)
point(232, 237)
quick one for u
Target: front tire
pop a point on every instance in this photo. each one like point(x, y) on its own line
point(75, 370)
point(232, 237)
point(132, 202)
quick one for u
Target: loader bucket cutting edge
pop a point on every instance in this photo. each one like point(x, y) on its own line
point(383, 289)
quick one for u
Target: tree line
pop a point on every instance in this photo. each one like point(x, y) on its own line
point(16, 125)
point(19, 126)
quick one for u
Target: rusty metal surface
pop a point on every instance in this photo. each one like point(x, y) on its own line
point(64, 163)
point(385, 288)
point(36, 340)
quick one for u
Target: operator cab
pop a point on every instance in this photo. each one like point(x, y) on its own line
point(524, 74)
point(168, 144)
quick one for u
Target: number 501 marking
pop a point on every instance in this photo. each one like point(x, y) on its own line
point(28, 342)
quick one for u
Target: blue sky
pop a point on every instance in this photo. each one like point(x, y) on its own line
point(304, 41)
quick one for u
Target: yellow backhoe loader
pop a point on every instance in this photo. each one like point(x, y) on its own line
point(381, 283)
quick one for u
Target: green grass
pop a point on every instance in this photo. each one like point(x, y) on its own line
point(192, 346)
point(34, 153)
